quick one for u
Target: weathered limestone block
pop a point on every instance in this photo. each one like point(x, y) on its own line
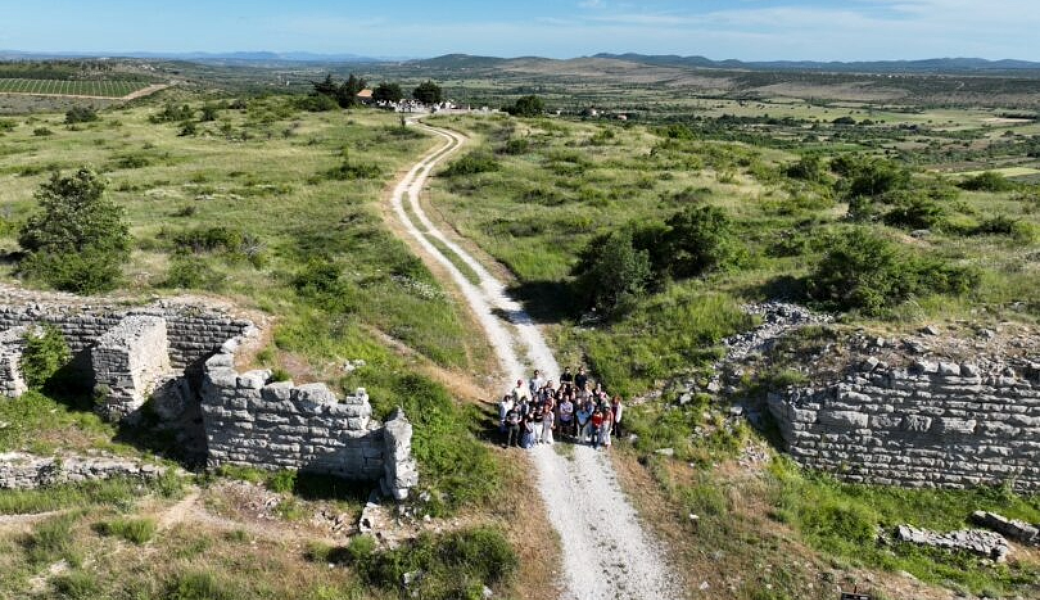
point(12, 345)
point(401, 471)
point(844, 418)
point(1019, 531)
point(129, 361)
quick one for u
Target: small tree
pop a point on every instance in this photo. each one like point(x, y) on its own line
point(388, 92)
point(428, 92)
point(46, 352)
point(700, 239)
point(528, 106)
point(80, 114)
point(328, 87)
point(79, 240)
point(612, 273)
point(347, 93)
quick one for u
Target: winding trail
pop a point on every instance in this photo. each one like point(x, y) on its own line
point(606, 552)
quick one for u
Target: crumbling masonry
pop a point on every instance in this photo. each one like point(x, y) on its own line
point(180, 355)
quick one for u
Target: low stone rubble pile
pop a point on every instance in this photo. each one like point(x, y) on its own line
point(986, 544)
point(20, 471)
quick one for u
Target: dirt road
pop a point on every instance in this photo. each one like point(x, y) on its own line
point(607, 554)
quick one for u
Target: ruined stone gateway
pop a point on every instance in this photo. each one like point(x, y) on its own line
point(181, 356)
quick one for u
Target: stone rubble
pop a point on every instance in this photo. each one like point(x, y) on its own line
point(986, 544)
point(1019, 531)
point(21, 471)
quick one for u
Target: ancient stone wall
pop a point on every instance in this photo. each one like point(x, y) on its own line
point(934, 424)
point(20, 471)
point(194, 332)
point(251, 420)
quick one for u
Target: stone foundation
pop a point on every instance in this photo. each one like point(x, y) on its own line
point(935, 424)
point(25, 471)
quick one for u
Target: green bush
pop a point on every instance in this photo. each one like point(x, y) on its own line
point(282, 482)
point(137, 531)
point(988, 181)
point(871, 177)
point(612, 274)
point(191, 272)
point(44, 355)
point(700, 239)
point(79, 240)
point(453, 565)
point(916, 211)
point(352, 171)
point(80, 114)
point(527, 106)
point(862, 271)
point(474, 163)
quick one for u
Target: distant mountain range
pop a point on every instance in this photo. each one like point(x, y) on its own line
point(467, 61)
point(933, 65)
point(224, 57)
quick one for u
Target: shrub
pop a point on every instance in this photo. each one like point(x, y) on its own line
point(351, 171)
point(869, 176)
point(916, 211)
point(866, 272)
point(809, 168)
point(171, 113)
point(282, 482)
point(317, 103)
point(44, 355)
point(474, 163)
point(454, 565)
point(516, 146)
point(988, 181)
point(527, 106)
point(191, 272)
point(612, 273)
point(80, 114)
point(79, 241)
point(699, 239)
point(137, 531)
point(42, 132)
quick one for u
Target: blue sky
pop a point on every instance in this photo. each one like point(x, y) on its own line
point(743, 29)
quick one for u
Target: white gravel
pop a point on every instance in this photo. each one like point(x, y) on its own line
point(606, 552)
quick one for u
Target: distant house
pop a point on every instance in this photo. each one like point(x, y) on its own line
point(365, 97)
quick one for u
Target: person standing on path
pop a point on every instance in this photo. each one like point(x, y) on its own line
point(618, 410)
point(581, 378)
point(566, 421)
point(513, 422)
point(536, 384)
point(547, 428)
point(596, 423)
point(504, 407)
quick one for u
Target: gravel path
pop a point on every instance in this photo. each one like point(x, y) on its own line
point(606, 552)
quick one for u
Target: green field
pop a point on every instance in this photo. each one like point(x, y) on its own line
point(67, 87)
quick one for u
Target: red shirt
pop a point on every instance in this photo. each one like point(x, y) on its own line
point(597, 419)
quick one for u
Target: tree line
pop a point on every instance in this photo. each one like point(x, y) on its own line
point(328, 94)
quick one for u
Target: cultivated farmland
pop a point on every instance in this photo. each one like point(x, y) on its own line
point(68, 87)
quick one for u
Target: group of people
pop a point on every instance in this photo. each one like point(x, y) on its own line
point(536, 411)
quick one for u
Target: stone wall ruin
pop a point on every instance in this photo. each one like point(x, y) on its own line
point(181, 356)
point(933, 424)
